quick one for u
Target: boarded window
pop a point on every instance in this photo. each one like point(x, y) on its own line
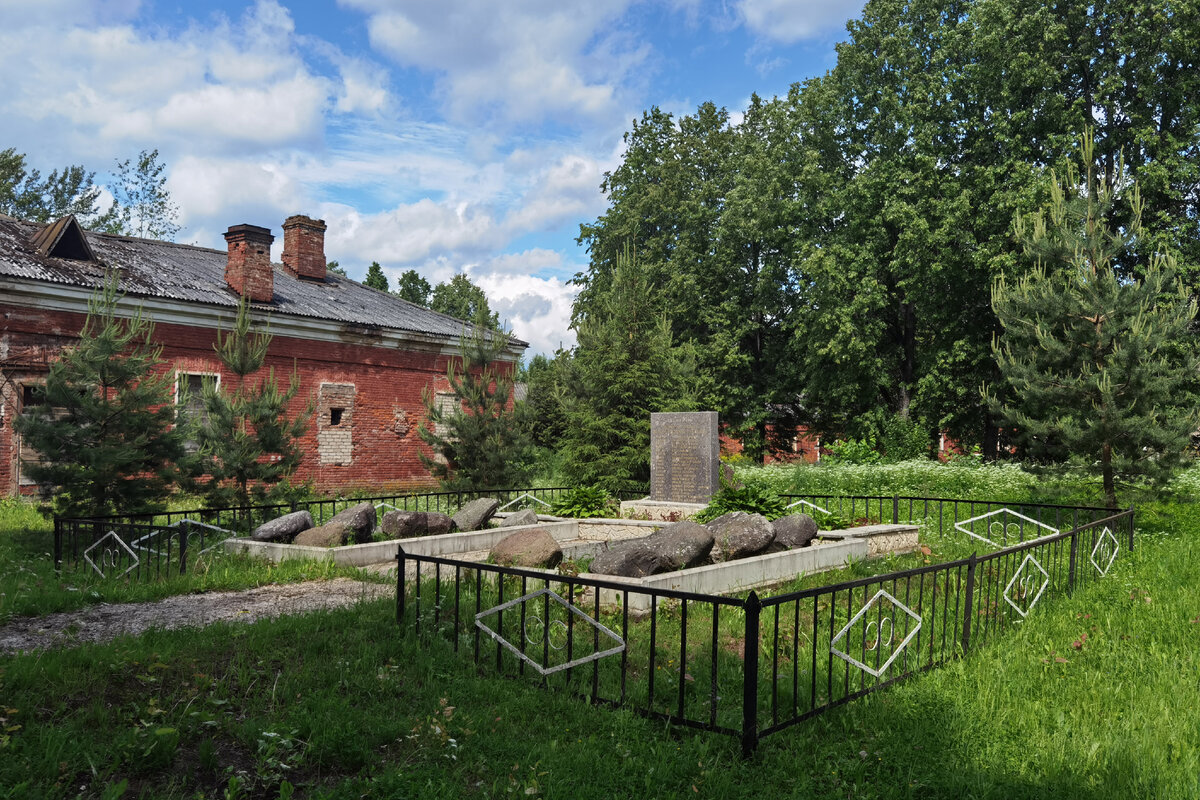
point(448, 405)
point(335, 423)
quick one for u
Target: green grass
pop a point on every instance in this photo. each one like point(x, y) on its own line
point(30, 586)
point(339, 705)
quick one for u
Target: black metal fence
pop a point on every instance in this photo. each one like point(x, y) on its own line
point(749, 667)
point(129, 539)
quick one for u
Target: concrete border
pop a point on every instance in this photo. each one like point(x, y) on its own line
point(360, 555)
point(738, 575)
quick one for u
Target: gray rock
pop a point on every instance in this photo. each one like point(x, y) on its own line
point(739, 534)
point(526, 517)
point(283, 529)
point(630, 559)
point(475, 514)
point(528, 548)
point(682, 545)
point(798, 530)
point(407, 524)
point(360, 519)
point(331, 534)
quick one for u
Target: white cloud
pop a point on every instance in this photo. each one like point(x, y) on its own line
point(538, 310)
point(790, 21)
point(519, 60)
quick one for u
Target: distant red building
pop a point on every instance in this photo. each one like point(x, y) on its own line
point(363, 355)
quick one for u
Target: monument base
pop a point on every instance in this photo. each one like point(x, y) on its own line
point(665, 510)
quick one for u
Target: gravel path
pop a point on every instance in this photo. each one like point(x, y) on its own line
point(105, 622)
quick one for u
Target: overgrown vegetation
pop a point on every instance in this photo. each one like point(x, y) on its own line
point(751, 498)
point(584, 502)
point(339, 704)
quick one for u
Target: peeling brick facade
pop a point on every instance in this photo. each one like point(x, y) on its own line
point(374, 445)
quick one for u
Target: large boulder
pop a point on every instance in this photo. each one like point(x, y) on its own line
point(331, 534)
point(283, 529)
point(630, 559)
point(525, 517)
point(475, 514)
point(682, 545)
point(739, 534)
point(797, 530)
point(360, 519)
point(529, 548)
point(407, 524)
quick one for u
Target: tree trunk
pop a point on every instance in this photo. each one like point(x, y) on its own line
point(1110, 489)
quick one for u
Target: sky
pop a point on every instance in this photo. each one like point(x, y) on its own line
point(443, 136)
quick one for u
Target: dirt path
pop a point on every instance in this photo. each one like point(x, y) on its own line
point(105, 622)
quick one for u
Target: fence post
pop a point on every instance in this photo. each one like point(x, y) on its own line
point(58, 544)
point(184, 531)
point(895, 510)
point(1071, 568)
point(750, 677)
point(1131, 528)
point(400, 567)
point(969, 603)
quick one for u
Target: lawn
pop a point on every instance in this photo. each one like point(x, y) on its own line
point(1096, 697)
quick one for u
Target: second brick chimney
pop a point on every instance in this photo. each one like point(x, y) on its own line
point(248, 269)
point(304, 247)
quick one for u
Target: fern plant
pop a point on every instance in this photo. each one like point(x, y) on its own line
point(583, 502)
point(751, 499)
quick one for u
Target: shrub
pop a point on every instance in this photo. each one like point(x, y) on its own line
point(751, 499)
point(582, 503)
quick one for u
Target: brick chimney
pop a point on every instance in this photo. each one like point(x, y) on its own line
point(248, 270)
point(304, 247)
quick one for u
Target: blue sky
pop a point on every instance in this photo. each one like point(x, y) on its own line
point(438, 135)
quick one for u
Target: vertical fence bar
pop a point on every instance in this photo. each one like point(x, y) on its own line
point(750, 677)
point(184, 530)
point(400, 567)
point(1131, 528)
point(895, 509)
point(1071, 568)
point(968, 607)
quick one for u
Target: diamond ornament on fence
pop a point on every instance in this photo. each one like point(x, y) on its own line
point(110, 556)
point(1105, 551)
point(876, 634)
point(1001, 526)
point(552, 635)
point(1026, 585)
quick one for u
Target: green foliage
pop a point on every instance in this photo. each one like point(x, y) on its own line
point(545, 415)
point(462, 299)
point(105, 429)
point(854, 451)
point(411, 286)
point(335, 268)
point(750, 498)
point(247, 435)
point(375, 277)
point(1101, 361)
point(584, 502)
point(624, 367)
point(26, 195)
point(478, 443)
point(144, 206)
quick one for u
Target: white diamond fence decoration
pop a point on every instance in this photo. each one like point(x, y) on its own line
point(110, 555)
point(1001, 527)
point(553, 635)
point(1027, 585)
point(877, 633)
point(1105, 551)
point(810, 505)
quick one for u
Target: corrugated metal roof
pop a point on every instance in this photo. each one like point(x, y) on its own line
point(150, 268)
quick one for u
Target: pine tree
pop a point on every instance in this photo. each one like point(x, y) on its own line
point(375, 277)
point(248, 441)
point(1100, 360)
point(624, 368)
point(478, 443)
point(105, 429)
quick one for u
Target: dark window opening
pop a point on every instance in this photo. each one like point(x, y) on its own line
point(33, 395)
point(335, 416)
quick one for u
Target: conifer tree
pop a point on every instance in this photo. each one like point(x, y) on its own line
point(624, 367)
point(375, 277)
point(248, 441)
point(478, 443)
point(1099, 356)
point(105, 428)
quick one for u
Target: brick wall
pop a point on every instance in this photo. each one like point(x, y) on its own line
point(381, 416)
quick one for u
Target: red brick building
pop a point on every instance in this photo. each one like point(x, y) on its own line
point(363, 356)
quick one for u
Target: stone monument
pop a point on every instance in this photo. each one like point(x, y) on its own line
point(685, 464)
